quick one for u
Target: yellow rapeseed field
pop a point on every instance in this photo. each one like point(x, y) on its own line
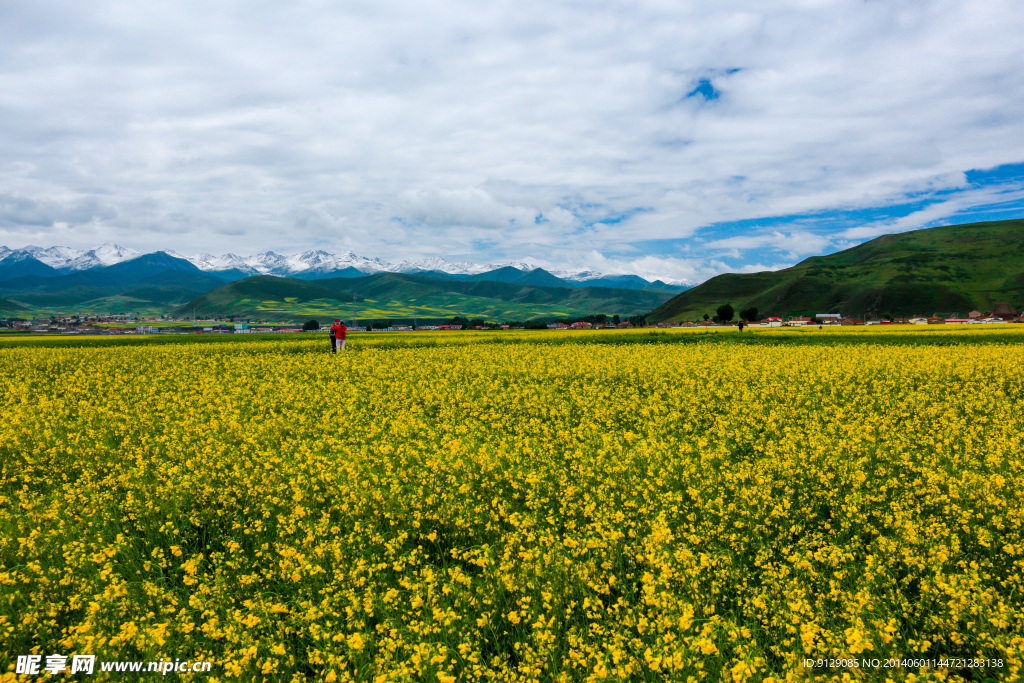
point(570, 506)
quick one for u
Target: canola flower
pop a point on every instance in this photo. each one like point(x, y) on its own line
point(561, 507)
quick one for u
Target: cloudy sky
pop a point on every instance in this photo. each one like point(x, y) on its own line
point(666, 138)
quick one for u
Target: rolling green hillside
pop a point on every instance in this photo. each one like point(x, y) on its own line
point(149, 285)
point(10, 306)
point(396, 295)
point(949, 269)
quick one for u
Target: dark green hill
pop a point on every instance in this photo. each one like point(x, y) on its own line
point(949, 269)
point(537, 276)
point(158, 268)
point(14, 267)
point(398, 295)
point(152, 283)
point(9, 306)
point(620, 281)
point(348, 271)
point(148, 264)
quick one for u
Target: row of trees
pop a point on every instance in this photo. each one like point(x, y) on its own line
point(725, 313)
point(466, 323)
point(313, 325)
point(598, 319)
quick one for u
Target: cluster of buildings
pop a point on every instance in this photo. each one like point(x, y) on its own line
point(1000, 313)
point(121, 324)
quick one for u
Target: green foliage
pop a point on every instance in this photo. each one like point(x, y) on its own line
point(749, 314)
point(311, 325)
point(725, 312)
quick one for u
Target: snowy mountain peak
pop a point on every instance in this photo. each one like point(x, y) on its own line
point(436, 263)
point(104, 255)
point(518, 265)
point(66, 258)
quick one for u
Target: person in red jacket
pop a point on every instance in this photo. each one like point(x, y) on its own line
point(338, 331)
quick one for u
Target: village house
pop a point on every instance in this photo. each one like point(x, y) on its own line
point(1002, 310)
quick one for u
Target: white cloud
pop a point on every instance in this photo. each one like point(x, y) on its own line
point(793, 244)
point(466, 207)
point(651, 267)
point(937, 211)
point(401, 128)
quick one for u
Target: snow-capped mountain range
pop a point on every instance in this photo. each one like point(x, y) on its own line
point(66, 258)
point(270, 263)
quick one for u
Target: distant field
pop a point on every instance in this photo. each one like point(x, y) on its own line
point(437, 306)
point(638, 505)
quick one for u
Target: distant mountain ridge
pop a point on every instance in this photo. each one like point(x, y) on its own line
point(312, 264)
point(156, 283)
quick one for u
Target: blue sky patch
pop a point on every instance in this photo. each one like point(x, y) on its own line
point(704, 89)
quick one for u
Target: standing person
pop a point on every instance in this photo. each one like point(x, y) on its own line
point(338, 331)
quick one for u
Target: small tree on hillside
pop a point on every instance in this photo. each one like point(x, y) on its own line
point(311, 325)
point(707, 317)
point(749, 314)
point(725, 312)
